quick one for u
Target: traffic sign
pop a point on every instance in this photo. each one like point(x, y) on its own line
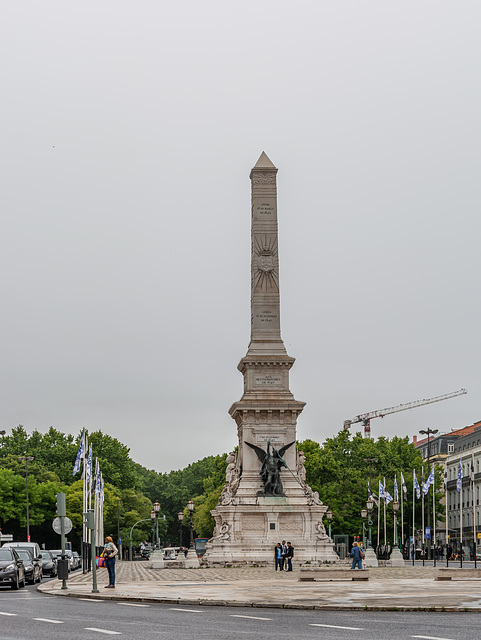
point(57, 526)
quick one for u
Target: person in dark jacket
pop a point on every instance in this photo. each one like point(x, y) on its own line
point(289, 556)
point(356, 556)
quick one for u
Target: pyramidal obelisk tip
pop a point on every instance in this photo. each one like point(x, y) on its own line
point(264, 162)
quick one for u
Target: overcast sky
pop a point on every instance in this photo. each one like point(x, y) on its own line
point(128, 132)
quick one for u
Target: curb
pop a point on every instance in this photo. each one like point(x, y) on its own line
point(255, 605)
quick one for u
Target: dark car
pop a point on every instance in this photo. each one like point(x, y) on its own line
point(49, 564)
point(33, 568)
point(12, 571)
point(68, 556)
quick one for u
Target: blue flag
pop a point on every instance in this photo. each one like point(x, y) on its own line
point(396, 492)
point(89, 467)
point(429, 481)
point(459, 481)
point(80, 454)
point(381, 491)
point(416, 485)
point(387, 495)
point(403, 486)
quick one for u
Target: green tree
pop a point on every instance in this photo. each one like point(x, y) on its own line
point(339, 472)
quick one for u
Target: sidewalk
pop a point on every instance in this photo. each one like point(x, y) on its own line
point(405, 588)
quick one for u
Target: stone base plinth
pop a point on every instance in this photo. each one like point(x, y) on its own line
point(248, 533)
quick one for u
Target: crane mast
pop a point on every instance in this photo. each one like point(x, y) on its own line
point(366, 418)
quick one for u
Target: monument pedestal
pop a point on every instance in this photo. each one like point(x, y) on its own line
point(249, 533)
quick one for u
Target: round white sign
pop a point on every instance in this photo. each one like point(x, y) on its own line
point(57, 527)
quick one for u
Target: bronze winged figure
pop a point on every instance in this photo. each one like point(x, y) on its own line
point(271, 465)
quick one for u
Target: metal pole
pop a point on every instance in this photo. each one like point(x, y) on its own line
point(118, 524)
point(157, 530)
point(94, 559)
point(191, 532)
point(62, 547)
point(28, 516)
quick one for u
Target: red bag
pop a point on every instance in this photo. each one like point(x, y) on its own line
point(100, 562)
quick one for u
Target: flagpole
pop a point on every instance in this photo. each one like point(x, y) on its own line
point(446, 533)
point(474, 510)
point(402, 512)
point(84, 503)
point(385, 540)
point(414, 530)
point(433, 537)
point(379, 515)
point(422, 510)
point(461, 497)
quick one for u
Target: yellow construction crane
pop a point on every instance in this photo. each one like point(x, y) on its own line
point(366, 418)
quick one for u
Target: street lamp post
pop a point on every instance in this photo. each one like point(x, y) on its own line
point(27, 459)
point(428, 432)
point(180, 517)
point(329, 518)
point(370, 507)
point(363, 516)
point(395, 507)
point(156, 506)
point(191, 506)
point(152, 519)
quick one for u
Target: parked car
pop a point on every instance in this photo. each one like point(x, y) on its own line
point(33, 568)
point(78, 559)
point(68, 554)
point(12, 571)
point(29, 546)
point(49, 564)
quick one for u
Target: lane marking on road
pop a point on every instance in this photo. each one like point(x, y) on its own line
point(48, 620)
point(431, 638)
point(111, 633)
point(335, 626)
point(133, 604)
point(4, 613)
point(238, 615)
point(90, 600)
point(188, 610)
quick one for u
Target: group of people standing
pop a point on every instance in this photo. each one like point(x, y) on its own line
point(283, 554)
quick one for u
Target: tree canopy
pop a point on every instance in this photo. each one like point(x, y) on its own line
point(339, 470)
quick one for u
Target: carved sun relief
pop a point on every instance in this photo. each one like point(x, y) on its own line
point(266, 271)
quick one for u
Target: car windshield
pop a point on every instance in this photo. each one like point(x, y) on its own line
point(25, 555)
point(6, 554)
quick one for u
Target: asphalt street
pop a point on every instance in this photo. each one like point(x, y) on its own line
point(28, 614)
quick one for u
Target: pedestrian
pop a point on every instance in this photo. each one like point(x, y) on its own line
point(357, 556)
point(283, 555)
point(278, 556)
point(110, 551)
point(289, 556)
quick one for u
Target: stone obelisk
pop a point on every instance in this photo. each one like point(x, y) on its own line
point(250, 518)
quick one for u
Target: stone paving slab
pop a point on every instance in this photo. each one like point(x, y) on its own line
point(403, 588)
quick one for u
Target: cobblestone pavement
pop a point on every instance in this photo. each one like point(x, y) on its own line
point(403, 588)
point(139, 572)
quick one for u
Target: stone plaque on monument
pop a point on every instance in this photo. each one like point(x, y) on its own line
point(266, 499)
